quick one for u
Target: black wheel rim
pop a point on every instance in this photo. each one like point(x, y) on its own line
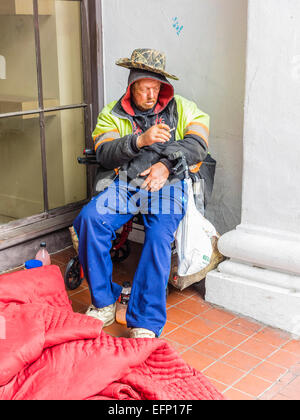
point(72, 274)
point(119, 255)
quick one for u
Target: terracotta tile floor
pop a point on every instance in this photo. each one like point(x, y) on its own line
point(243, 358)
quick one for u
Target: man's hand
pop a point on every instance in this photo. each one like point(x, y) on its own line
point(159, 133)
point(157, 177)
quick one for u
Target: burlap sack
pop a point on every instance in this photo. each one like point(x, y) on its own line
point(185, 281)
point(74, 238)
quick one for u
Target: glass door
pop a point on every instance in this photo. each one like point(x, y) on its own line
point(42, 109)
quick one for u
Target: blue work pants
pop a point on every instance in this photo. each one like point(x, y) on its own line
point(96, 225)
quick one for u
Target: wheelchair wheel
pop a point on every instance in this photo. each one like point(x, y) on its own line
point(119, 254)
point(73, 277)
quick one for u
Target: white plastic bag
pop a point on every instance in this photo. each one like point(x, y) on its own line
point(193, 238)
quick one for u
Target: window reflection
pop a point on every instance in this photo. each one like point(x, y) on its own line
point(21, 186)
point(65, 139)
point(18, 81)
point(61, 53)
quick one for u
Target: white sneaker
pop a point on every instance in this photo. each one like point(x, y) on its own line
point(107, 314)
point(141, 333)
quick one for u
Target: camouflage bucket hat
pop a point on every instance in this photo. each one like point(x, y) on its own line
point(146, 59)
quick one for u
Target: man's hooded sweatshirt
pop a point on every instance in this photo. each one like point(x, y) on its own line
point(120, 123)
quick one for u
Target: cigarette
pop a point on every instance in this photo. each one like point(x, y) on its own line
point(172, 129)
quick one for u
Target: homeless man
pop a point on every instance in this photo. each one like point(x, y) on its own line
point(135, 136)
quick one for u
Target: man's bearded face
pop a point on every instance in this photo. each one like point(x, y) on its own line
point(145, 93)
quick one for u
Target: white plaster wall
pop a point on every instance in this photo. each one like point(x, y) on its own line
point(209, 58)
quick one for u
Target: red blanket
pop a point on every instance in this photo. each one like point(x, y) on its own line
point(49, 352)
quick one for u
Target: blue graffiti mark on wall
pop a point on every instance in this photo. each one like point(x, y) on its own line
point(176, 25)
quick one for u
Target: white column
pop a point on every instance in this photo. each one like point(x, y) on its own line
point(261, 278)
